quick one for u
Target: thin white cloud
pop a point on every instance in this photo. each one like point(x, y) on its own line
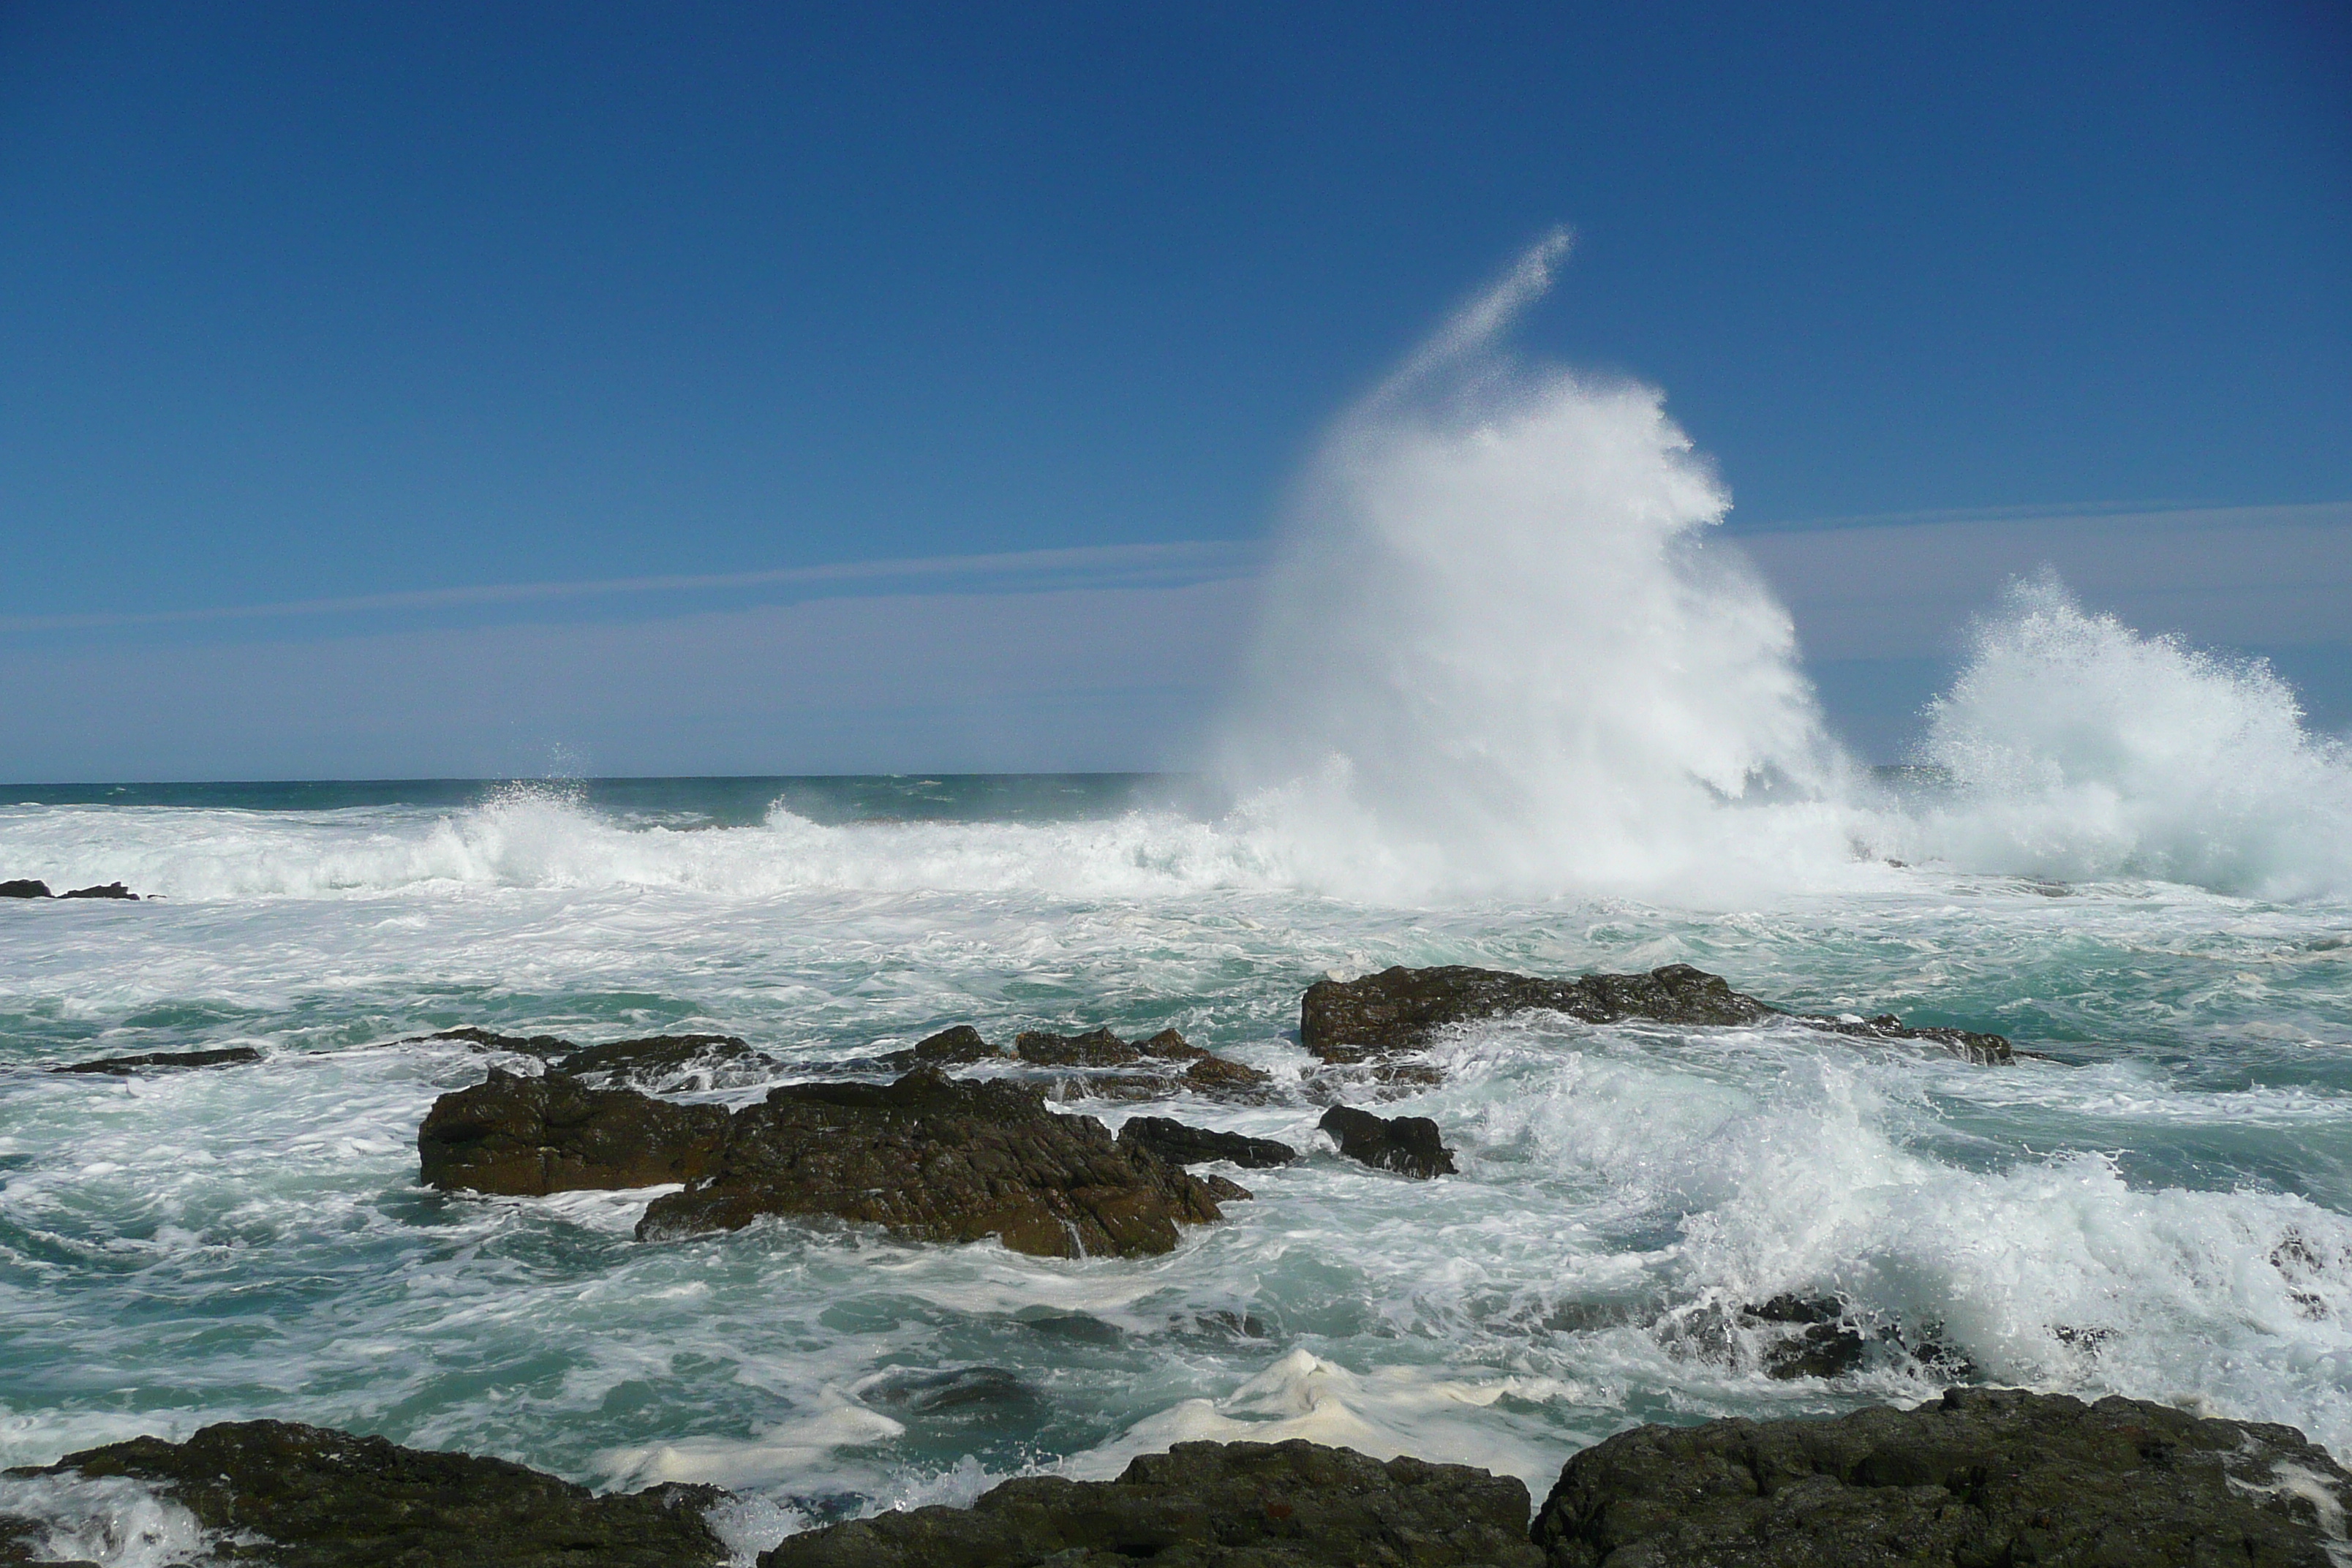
point(1096, 566)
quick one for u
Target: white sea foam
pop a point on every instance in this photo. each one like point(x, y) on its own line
point(111, 1520)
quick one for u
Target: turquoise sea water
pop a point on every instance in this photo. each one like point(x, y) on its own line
point(2162, 1208)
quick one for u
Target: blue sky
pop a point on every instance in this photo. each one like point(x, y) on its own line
point(365, 315)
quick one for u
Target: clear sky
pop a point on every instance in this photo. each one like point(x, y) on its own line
point(409, 304)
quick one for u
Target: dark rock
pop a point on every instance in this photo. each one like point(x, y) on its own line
point(1181, 1145)
point(1205, 1505)
point(25, 888)
point(1224, 1191)
point(110, 891)
point(1170, 1045)
point(960, 1044)
point(1101, 1049)
point(323, 1498)
point(491, 1040)
point(1825, 1344)
point(932, 1158)
point(1984, 1477)
point(663, 1060)
point(26, 1540)
point(1216, 1075)
point(531, 1136)
point(1408, 1144)
point(165, 1061)
point(953, 1388)
point(1403, 1009)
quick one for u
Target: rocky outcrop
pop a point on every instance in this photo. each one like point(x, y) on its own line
point(1983, 1477)
point(1205, 1505)
point(932, 1159)
point(292, 1495)
point(110, 890)
point(25, 888)
point(165, 1061)
point(527, 1137)
point(1410, 1145)
point(1401, 1010)
point(491, 1040)
point(1181, 1145)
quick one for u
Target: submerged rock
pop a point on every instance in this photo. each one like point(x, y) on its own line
point(1181, 1145)
point(1400, 1009)
point(932, 1159)
point(25, 888)
point(664, 1060)
point(165, 1061)
point(491, 1040)
point(1983, 1477)
point(1205, 1505)
point(1410, 1145)
point(292, 1495)
point(527, 1137)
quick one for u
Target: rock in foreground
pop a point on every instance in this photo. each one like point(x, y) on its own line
point(527, 1137)
point(1409, 1145)
point(322, 1499)
point(1206, 1505)
point(1985, 1477)
point(932, 1159)
point(1400, 1009)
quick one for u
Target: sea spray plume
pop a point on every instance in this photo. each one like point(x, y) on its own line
point(2083, 748)
point(1497, 650)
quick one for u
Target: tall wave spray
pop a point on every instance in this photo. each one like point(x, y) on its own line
point(1499, 651)
point(2078, 748)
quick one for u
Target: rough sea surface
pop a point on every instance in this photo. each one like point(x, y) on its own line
point(2162, 1209)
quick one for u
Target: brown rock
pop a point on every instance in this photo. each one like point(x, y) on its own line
point(932, 1159)
point(531, 1136)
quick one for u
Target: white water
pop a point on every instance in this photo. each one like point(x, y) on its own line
point(1514, 707)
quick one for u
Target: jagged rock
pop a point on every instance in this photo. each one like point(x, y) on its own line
point(110, 891)
point(491, 1040)
point(1170, 1045)
point(1205, 1505)
point(318, 1498)
point(1219, 1076)
point(1101, 1049)
point(25, 888)
point(1410, 1145)
point(665, 1061)
point(1984, 1477)
point(531, 1136)
point(960, 1043)
point(1181, 1145)
point(932, 1159)
point(1401, 1009)
point(165, 1061)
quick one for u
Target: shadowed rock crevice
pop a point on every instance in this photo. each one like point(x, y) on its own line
point(1400, 1010)
point(317, 1497)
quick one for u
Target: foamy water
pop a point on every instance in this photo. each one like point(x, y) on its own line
point(1514, 707)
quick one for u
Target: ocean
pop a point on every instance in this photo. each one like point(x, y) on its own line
point(1513, 702)
point(2161, 1208)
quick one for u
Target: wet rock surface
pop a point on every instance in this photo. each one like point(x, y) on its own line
point(25, 888)
point(317, 1497)
point(1410, 1145)
point(1205, 1505)
point(1400, 1010)
point(165, 1061)
point(1982, 1477)
point(106, 890)
point(491, 1040)
point(1178, 1144)
point(932, 1159)
point(33, 888)
point(667, 1062)
point(527, 1137)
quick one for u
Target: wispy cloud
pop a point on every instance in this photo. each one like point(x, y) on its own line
point(1101, 566)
